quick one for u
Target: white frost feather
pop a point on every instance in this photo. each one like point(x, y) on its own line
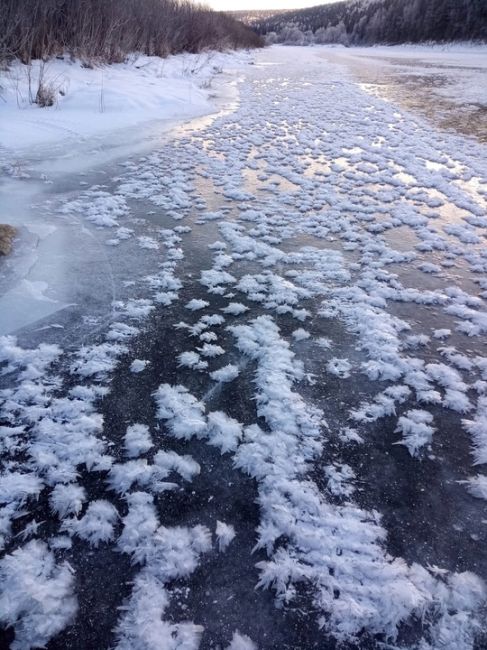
point(36, 595)
point(241, 642)
point(225, 533)
point(225, 374)
point(137, 440)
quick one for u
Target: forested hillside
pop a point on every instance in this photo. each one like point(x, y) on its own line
point(106, 31)
point(255, 16)
point(379, 21)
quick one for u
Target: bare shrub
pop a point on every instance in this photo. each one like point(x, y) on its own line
point(45, 96)
point(106, 31)
point(43, 89)
point(7, 235)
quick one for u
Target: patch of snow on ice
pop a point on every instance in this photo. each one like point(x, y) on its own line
point(415, 425)
point(97, 525)
point(137, 440)
point(225, 374)
point(225, 533)
point(241, 642)
point(36, 595)
point(138, 365)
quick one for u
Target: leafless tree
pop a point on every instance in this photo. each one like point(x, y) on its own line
point(108, 30)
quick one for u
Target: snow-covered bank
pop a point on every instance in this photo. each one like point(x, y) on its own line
point(92, 101)
point(440, 52)
point(104, 114)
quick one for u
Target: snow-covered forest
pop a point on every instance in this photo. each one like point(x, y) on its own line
point(360, 22)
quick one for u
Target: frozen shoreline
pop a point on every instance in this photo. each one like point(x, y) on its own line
point(96, 101)
point(43, 154)
point(107, 100)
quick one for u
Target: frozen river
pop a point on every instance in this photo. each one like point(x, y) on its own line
point(245, 370)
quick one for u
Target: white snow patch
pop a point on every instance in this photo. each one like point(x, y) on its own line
point(210, 350)
point(415, 425)
point(339, 367)
point(191, 359)
point(183, 412)
point(36, 595)
point(225, 533)
point(241, 642)
point(137, 440)
point(300, 334)
point(235, 309)
point(225, 374)
point(97, 525)
point(477, 486)
point(195, 304)
point(138, 365)
point(223, 432)
point(97, 360)
point(67, 499)
point(441, 333)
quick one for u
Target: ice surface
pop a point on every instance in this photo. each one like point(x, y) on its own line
point(316, 317)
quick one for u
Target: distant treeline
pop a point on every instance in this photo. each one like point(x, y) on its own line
point(107, 30)
point(357, 22)
point(251, 16)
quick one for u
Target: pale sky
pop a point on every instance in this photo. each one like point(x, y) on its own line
point(235, 5)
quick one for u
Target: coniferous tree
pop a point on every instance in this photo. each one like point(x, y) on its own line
point(383, 21)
